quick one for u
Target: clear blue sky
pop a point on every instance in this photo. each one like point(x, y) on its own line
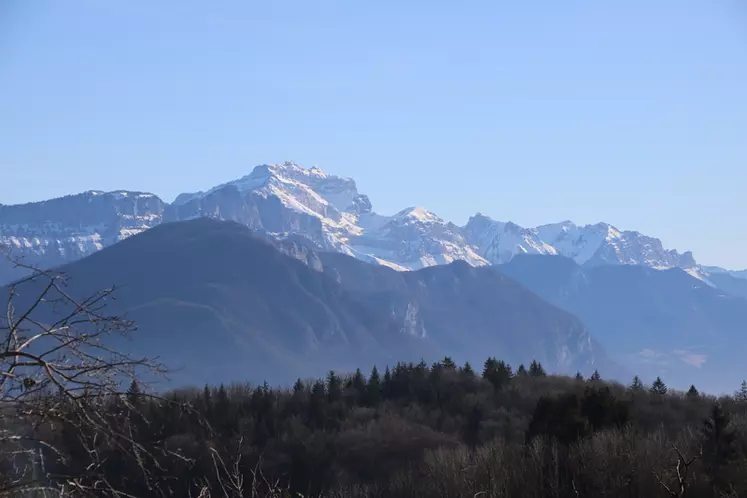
point(632, 111)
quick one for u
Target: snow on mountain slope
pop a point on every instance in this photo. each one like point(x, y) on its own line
point(328, 209)
point(415, 238)
point(78, 224)
point(602, 244)
point(282, 200)
point(591, 245)
point(498, 242)
point(60, 230)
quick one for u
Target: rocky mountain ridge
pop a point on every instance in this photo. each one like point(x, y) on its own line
point(287, 199)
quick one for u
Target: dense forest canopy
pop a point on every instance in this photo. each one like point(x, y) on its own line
point(421, 430)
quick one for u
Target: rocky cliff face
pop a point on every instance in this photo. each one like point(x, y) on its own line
point(57, 231)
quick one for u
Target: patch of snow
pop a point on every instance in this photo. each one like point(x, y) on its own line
point(419, 214)
point(698, 273)
point(389, 264)
point(119, 195)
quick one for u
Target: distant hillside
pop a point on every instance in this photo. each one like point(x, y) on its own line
point(655, 322)
point(221, 304)
point(729, 283)
point(464, 308)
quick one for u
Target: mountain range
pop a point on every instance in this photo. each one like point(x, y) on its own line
point(284, 199)
point(216, 303)
point(289, 272)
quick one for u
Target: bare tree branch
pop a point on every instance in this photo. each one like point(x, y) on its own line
point(682, 469)
point(59, 368)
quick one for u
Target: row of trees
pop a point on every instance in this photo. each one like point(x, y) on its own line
point(380, 434)
point(406, 432)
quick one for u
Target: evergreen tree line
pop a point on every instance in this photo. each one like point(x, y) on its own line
point(419, 430)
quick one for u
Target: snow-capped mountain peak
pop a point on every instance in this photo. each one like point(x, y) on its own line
point(313, 186)
point(592, 245)
point(282, 200)
point(499, 241)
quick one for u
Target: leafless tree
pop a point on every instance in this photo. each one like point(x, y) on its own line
point(58, 368)
point(682, 470)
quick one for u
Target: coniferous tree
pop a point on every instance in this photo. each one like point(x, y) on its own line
point(595, 377)
point(579, 376)
point(334, 387)
point(496, 372)
point(448, 363)
point(504, 370)
point(422, 366)
point(692, 393)
point(489, 367)
point(373, 388)
point(536, 370)
point(386, 386)
point(374, 385)
point(298, 396)
point(467, 370)
point(358, 382)
point(134, 395)
point(207, 401)
point(374, 377)
point(318, 389)
point(521, 370)
point(658, 388)
point(637, 385)
point(741, 394)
